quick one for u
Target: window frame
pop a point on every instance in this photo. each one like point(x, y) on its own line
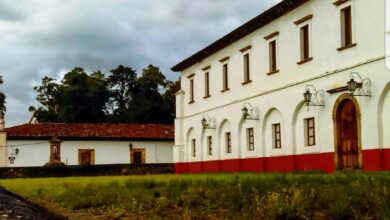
point(225, 77)
point(228, 142)
point(192, 91)
point(247, 72)
point(276, 136)
point(305, 42)
point(210, 145)
point(273, 64)
point(310, 140)
point(207, 84)
point(250, 139)
point(193, 146)
point(347, 35)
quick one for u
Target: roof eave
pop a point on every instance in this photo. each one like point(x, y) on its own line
point(256, 23)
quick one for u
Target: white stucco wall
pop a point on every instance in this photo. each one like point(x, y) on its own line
point(37, 152)
point(279, 96)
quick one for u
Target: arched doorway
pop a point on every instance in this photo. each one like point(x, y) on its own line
point(347, 134)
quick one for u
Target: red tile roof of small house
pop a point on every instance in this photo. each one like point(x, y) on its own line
point(91, 131)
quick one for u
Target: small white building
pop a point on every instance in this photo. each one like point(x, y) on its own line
point(30, 145)
point(241, 107)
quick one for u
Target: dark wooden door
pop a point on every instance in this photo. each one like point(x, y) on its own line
point(138, 156)
point(347, 123)
point(86, 157)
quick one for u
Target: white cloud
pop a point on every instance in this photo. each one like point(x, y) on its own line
point(48, 37)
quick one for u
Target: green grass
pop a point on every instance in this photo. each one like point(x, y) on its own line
point(244, 196)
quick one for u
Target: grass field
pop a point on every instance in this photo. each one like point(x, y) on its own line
point(244, 196)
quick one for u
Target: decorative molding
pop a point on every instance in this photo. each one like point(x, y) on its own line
point(245, 48)
point(341, 89)
point(346, 47)
point(307, 17)
point(246, 82)
point(339, 2)
point(305, 60)
point(272, 72)
point(224, 59)
point(225, 90)
point(276, 33)
point(191, 75)
point(206, 68)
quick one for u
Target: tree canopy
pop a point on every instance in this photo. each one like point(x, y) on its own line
point(121, 97)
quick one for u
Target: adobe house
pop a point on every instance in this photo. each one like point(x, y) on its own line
point(39, 144)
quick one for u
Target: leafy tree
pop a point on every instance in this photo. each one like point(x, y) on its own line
point(169, 102)
point(122, 97)
point(3, 109)
point(83, 97)
point(121, 83)
point(48, 94)
point(146, 106)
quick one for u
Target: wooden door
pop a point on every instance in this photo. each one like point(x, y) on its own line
point(347, 135)
point(138, 156)
point(86, 157)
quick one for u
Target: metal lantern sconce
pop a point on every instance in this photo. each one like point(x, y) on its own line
point(362, 87)
point(313, 97)
point(249, 112)
point(208, 123)
point(13, 154)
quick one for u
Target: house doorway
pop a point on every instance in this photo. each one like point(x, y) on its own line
point(347, 134)
point(138, 156)
point(86, 157)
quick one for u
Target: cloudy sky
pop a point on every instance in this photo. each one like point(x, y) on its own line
point(50, 37)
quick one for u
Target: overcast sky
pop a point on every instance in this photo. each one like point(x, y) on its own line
point(50, 37)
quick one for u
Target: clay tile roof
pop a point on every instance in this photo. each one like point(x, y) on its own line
point(92, 131)
point(256, 23)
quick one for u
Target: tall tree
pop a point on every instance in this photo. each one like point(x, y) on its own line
point(121, 84)
point(83, 97)
point(146, 106)
point(3, 109)
point(169, 102)
point(48, 94)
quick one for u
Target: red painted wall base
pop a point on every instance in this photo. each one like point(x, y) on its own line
point(373, 160)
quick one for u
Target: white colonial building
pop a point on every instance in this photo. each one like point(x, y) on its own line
point(40, 144)
point(241, 107)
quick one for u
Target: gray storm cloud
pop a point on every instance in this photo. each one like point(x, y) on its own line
point(49, 37)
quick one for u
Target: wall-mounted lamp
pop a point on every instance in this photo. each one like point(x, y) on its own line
point(358, 86)
point(13, 154)
point(249, 112)
point(131, 146)
point(208, 123)
point(313, 97)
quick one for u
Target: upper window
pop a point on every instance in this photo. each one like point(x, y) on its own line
point(247, 75)
point(225, 77)
point(276, 136)
point(206, 85)
point(250, 139)
point(346, 28)
point(210, 145)
point(192, 91)
point(310, 138)
point(228, 142)
point(272, 57)
point(305, 43)
point(193, 145)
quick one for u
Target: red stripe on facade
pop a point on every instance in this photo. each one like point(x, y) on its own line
point(373, 160)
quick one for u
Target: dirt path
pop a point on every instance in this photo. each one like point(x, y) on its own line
point(12, 207)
